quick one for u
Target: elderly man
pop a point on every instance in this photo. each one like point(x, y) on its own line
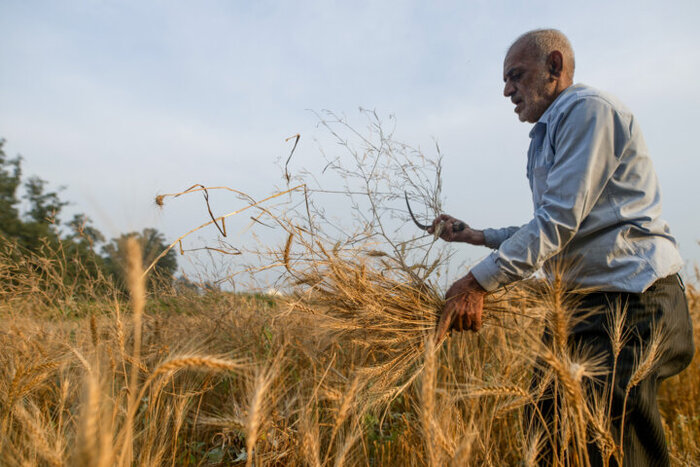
point(597, 206)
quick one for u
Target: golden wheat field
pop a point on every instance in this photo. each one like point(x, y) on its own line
point(341, 373)
point(339, 368)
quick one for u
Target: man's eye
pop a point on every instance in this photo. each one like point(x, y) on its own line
point(515, 76)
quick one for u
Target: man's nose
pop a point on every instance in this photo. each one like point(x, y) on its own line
point(508, 89)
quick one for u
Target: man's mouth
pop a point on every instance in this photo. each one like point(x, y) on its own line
point(518, 105)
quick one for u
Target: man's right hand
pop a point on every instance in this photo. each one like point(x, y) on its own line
point(468, 235)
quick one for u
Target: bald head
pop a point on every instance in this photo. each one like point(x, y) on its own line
point(540, 43)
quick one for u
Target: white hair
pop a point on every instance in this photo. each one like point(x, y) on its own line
point(543, 42)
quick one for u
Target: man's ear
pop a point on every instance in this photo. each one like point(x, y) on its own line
point(555, 64)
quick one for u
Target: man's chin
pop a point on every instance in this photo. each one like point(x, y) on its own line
point(526, 117)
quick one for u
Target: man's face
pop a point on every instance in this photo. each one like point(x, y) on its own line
point(527, 83)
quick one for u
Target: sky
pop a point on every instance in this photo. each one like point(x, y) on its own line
point(119, 101)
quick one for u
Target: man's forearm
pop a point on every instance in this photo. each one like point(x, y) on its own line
point(474, 237)
point(494, 237)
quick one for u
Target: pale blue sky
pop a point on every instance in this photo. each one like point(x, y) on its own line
point(121, 100)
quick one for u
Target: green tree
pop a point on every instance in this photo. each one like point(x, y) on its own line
point(84, 232)
point(152, 244)
point(10, 179)
point(33, 229)
point(80, 244)
point(43, 206)
point(42, 218)
point(38, 232)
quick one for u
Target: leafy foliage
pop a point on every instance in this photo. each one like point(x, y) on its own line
point(10, 173)
point(39, 229)
point(152, 244)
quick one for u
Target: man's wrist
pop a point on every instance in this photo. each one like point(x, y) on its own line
point(478, 237)
point(473, 283)
point(472, 236)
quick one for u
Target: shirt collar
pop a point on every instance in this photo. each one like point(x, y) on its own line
point(544, 119)
point(536, 127)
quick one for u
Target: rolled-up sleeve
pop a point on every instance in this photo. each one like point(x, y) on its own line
point(494, 237)
point(588, 142)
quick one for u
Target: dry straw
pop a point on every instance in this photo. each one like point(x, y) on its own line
point(339, 368)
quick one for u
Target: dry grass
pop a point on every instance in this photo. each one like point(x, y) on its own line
point(343, 371)
point(340, 370)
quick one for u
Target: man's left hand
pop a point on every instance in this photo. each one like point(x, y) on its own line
point(463, 308)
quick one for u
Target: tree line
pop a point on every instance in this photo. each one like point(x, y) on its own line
point(37, 226)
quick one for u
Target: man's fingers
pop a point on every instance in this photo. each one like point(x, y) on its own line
point(463, 308)
point(466, 322)
point(476, 321)
point(457, 323)
point(447, 229)
point(443, 327)
point(475, 312)
point(467, 316)
point(439, 219)
point(444, 323)
point(436, 221)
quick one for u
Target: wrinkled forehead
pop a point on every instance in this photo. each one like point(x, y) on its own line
point(520, 53)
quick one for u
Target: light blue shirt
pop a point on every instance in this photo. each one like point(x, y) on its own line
point(597, 203)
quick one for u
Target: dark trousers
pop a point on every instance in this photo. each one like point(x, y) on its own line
point(662, 307)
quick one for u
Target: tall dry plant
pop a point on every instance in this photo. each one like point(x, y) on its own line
point(338, 368)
